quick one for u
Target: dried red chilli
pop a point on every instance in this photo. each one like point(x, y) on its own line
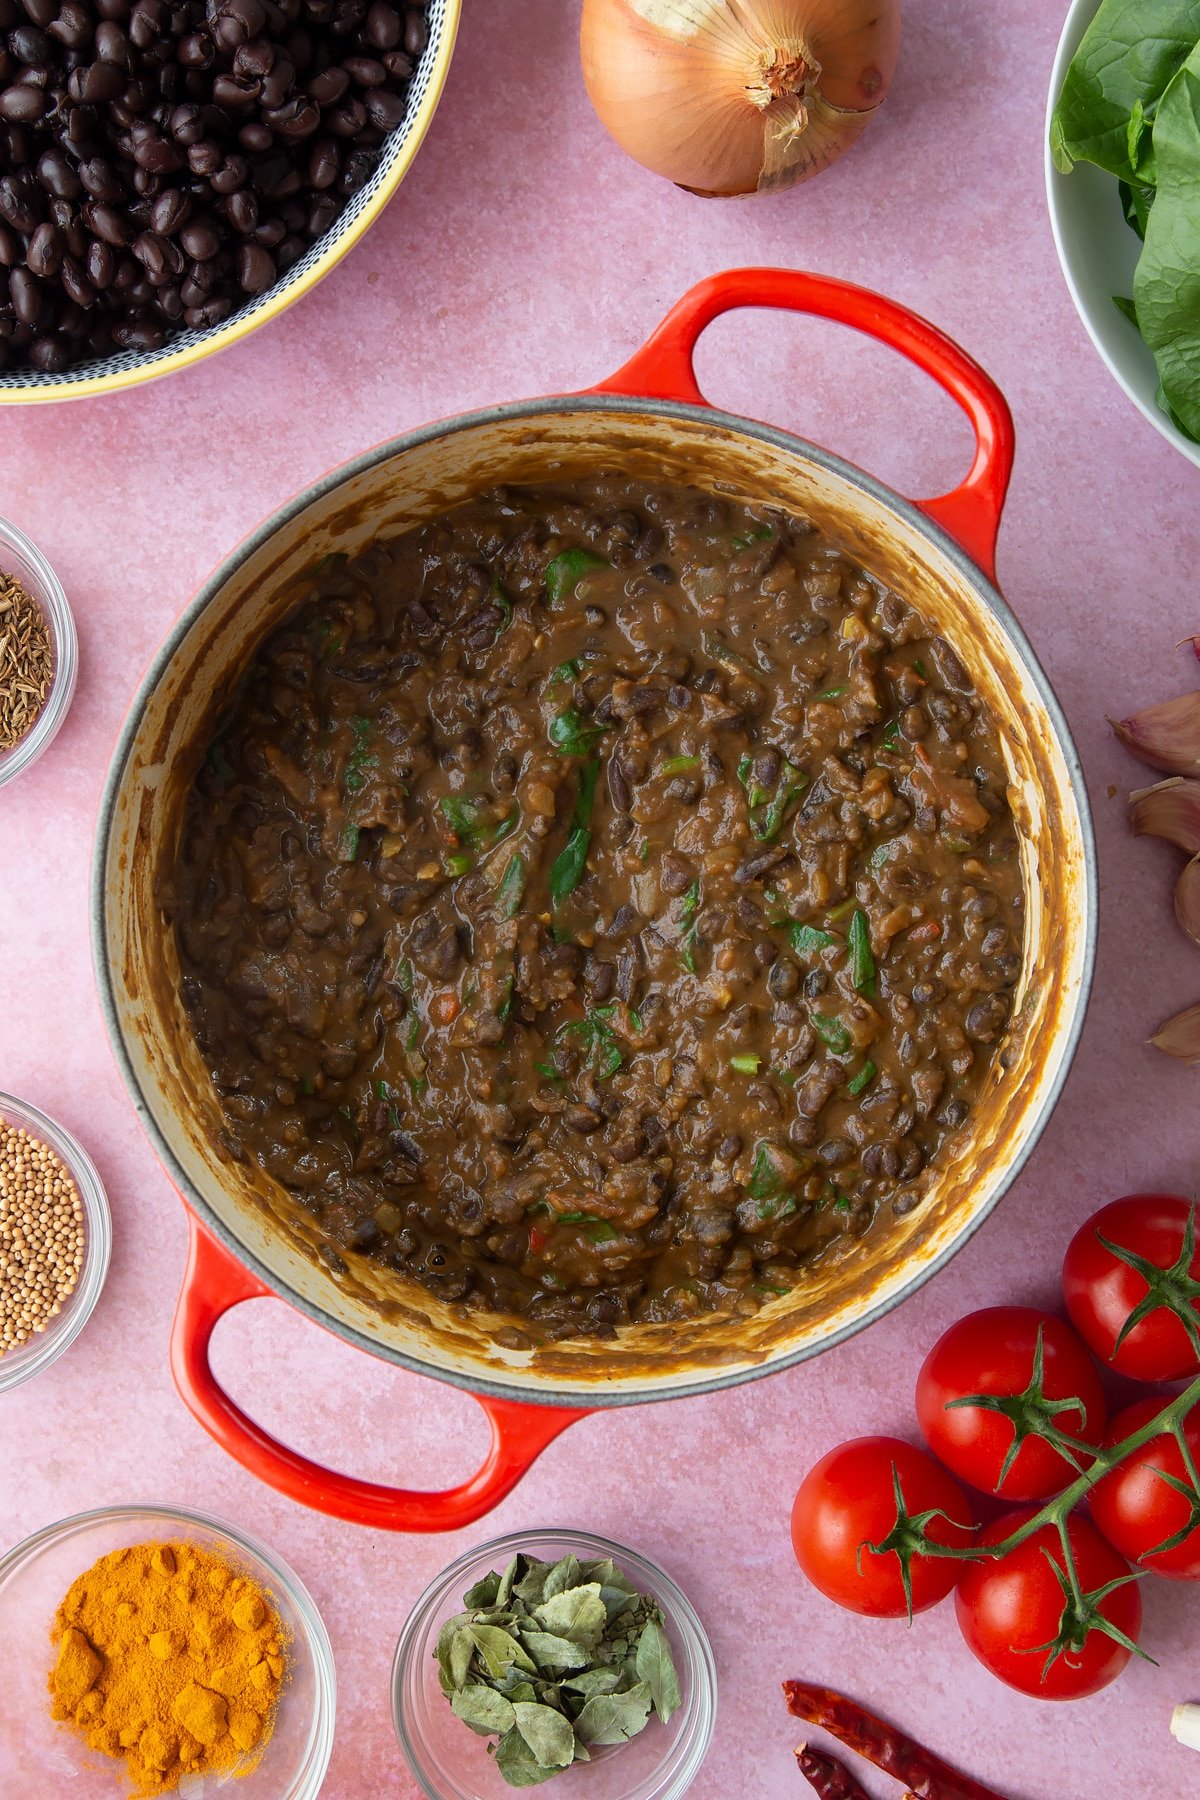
point(828, 1778)
point(924, 1773)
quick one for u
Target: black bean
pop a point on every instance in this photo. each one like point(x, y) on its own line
point(952, 671)
point(756, 865)
point(254, 60)
point(783, 979)
point(255, 269)
point(161, 259)
point(44, 252)
point(200, 238)
point(416, 31)
point(384, 25)
point(170, 210)
point(96, 83)
point(619, 790)
point(347, 118)
point(321, 215)
point(232, 174)
point(279, 83)
point(108, 100)
point(197, 51)
point(29, 44)
point(49, 354)
point(687, 789)
point(100, 264)
point(242, 212)
point(108, 224)
point(600, 979)
point(985, 1018)
point(204, 157)
point(365, 71)
point(386, 111)
point(766, 766)
point(112, 46)
point(675, 874)
point(818, 1088)
point(58, 175)
point(209, 312)
point(26, 296)
point(23, 103)
point(327, 88)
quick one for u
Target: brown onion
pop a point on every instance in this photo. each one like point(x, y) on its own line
point(738, 96)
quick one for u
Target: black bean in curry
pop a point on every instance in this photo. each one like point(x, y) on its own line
point(598, 903)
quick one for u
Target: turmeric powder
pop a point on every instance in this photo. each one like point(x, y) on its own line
point(168, 1658)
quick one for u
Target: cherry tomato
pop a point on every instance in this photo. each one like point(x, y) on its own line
point(994, 1352)
point(1011, 1612)
point(1102, 1290)
point(848, 1500)
point(1136, 1509)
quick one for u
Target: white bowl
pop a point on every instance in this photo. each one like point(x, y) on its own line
point(126, 368)
point(1099, 251)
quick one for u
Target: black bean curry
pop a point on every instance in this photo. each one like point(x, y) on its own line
point(598, 903)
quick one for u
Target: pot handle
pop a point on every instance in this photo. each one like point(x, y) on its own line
point(663, 370)
point(213, 1282)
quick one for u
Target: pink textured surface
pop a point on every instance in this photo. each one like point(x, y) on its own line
point(523, 255)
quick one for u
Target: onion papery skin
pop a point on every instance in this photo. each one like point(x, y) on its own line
point(728, 97)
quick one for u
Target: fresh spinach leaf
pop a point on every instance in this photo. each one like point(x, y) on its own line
point(1136, 200)
point(572, 734)
point(1129, 55)
point(565, 572)
point(567, 870)
point(1166, 283)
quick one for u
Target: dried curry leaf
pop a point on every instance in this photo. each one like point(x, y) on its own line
point(578, 1614)
point(517, 1763)
point(554, 1657)
point(483, 1709)
point(614, 1718)
point(500, 1650)
point(548, 1733)
point(552, 1652)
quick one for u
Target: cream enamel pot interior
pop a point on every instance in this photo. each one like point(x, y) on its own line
point(649, 419)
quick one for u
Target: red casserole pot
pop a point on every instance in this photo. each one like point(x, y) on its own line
point(650, 419)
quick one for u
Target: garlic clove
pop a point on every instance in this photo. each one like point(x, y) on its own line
point(1167, 736)
point(1180, 1036)
point(1185, 1725)
point(1187, 900)
point(1170, 809)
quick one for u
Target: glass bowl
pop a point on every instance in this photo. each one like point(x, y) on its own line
point(31, 1358)
point(20, 558)
point(451, 1763)
point(40, 1757)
